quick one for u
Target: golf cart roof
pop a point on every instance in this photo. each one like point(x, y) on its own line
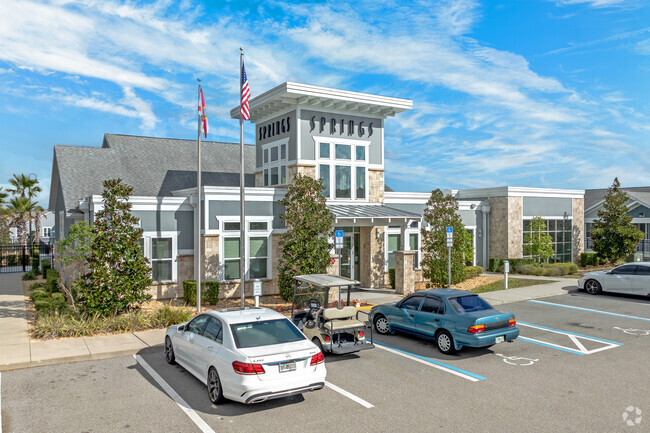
point(326, 280)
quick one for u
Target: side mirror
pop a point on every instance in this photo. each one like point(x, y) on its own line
point(181, 328)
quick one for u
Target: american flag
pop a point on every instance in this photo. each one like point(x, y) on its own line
point(203, 115)
point(245, 94)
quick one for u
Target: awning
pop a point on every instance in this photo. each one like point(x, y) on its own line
point(371, 214)
point(326, 280)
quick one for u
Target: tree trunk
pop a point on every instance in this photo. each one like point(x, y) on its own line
point(37, 228)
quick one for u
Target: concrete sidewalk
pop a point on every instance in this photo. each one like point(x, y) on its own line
point(17, 351)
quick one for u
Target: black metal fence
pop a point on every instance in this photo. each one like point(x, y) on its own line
point(23, 257)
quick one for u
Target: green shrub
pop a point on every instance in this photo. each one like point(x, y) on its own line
point(391, 277)
point(568, 268)
point(52, 281)
point(35, 286)
point(45, 265)
point(211, 292)
point(552, 271)
point(29, 275)
point(189, 292)
point(590, 259)
point(38, 295)
point(473, 271)
point(168, 315)
point(12, 260)
point(35, 263)
point(496, 264)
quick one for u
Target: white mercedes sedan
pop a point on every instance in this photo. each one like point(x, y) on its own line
point(630, 278)
point(247, 355)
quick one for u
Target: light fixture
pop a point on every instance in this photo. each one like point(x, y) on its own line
point(478, 232)
point(377, 233)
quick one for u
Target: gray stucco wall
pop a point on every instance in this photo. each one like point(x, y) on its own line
point(547, 206)
point(307, 150)
point(253, 208)
point(635, 213)
point(180, 221)
point(276, 129)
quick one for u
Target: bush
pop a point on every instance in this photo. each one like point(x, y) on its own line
point(473, 271)
point(189, 292)
point(546, 269)
point(496, 264)
point(52, 281)
point(529, 269)
point(590, 259)
point(391, 277)
point(45, 302)
point(211, 292)
point(12, 260)
point(45, 265)
point(30, 275)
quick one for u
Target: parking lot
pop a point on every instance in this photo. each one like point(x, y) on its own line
point(580, 364)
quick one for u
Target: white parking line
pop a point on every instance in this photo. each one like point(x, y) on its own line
point(579, 348)
point(590, 310)
point(349, 395)
point(174, 395)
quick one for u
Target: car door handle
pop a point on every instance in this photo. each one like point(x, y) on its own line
point(412, 315)
point(437, 320)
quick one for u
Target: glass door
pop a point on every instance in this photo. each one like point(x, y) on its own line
point(346, 257)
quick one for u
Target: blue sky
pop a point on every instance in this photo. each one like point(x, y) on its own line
point(539, 93)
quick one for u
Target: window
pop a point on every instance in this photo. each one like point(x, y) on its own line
point(283, 175)
point(231, 226)
point(643, 270)
point(266, 156)
point(47, 231)
point(624, 270)
point(361, 182)
point(274, 153)
point(231, 262)
point(432, 305)
point(258, 255)
point(197, 324)
point(266, 177)
point(275, 163)
point(258, 225)
point(274, 176)
point(343, 151)
point(161, 259)
point(467, 304)
point(412, 303)
point(413, 246)
point(324, 150)
point(360, 153)
point(394, 244)
point(283, 151)
point(265, 333)
point(343, 181)
point(325, 176)
point(213, 330)
point(560, 230)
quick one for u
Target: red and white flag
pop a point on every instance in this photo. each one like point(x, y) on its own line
point(203, 115)
point(245, 94)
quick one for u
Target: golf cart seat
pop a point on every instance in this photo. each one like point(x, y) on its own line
point(336, 319)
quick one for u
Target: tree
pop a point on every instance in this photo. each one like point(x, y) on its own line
point(74, 252)
point(613, 233)
point(4, 225)
point(305, 245)
point(26, 187)
point(20, 210)
point(119, 274)
point(538, 243)
point(439, 214)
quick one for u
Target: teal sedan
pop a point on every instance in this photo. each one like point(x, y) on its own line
point(452, 318)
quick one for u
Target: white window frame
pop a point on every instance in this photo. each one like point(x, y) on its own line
point(148, 236)
point(333, 162)
point(249, 234)
point(47, 232)
point(407, 233)
point(276, 164)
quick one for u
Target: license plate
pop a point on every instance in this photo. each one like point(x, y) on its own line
point(287, 366)
point(500, 339)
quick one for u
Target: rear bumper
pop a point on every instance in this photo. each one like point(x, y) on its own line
point(483, 340)
point(343, 348)
point(264, 396)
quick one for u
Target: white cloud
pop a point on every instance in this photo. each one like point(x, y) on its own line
point(595, 3)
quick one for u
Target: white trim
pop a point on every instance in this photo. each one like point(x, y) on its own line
point(279, 163)
point(518, 191)
point(254, 234)
point(333, 162)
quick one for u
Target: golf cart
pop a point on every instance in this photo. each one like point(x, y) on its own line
point(335, 329)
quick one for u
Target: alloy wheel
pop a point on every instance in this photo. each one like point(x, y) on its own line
point(381, 325)
point(214, 386)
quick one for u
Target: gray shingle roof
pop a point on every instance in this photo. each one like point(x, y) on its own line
point(593, 196)
point(153, 166)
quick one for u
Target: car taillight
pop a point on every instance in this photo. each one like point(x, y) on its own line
point(360, 334)
point(246, 368)
point(512, 322)
point(475, 329)
point(317, 359)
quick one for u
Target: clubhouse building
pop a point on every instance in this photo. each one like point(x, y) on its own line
point(330, 134)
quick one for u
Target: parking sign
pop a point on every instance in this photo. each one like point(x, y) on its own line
point(338, 239)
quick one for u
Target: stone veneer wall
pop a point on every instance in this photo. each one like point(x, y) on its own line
point(259, 178)
point(404, 275)
point(498, 226)
point(372, 257)
point(307, 170)
point(515, 227)
point(210, 252)
point(578, 224)
point(376, 186)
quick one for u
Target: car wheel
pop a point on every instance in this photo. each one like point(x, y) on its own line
point(318, 344)
point(169, 351)
point(593, 287)
point(215, 392)
point(382, 326)
point(445, 342)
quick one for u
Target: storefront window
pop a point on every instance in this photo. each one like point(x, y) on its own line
point(560, 231)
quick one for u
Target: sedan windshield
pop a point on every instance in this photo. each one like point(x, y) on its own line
point(467, 304)
point(265, 333)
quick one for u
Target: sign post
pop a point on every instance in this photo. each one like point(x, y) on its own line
point(450, 243)
point(506, 271)
point(338, 244)
point(257, 291)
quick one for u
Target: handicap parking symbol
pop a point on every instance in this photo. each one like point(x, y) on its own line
point(517, 360)
point(633, 331)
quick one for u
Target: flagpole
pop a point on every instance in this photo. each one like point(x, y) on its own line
point(198, 211)
point(242, 221)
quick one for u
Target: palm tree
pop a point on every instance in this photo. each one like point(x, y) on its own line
point(26, 187)
point(20, 209)
point(4, 228)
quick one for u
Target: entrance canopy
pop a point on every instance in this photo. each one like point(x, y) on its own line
point(371, 214)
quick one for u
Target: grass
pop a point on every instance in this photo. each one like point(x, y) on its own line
point(55, 325)
point(513, 283)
